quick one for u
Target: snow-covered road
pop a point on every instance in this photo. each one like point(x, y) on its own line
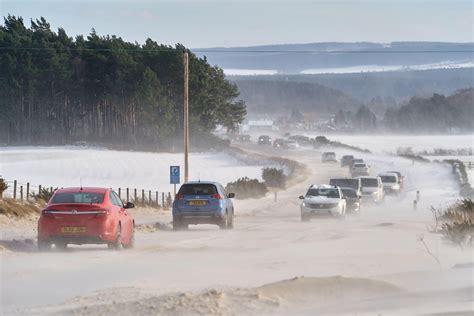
point(268, 244)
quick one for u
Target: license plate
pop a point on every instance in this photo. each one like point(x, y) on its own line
point(73, 230)
point(197, 203)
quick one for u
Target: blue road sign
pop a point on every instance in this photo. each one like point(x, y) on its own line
point(174, 175)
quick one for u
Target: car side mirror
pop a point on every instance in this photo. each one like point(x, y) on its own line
point(231, 195)
point(129, 205)
point(301, 197)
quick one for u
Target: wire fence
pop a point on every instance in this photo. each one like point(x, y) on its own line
point(140, 197)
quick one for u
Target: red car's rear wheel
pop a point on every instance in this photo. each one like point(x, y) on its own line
point(117, 244)
point(44, 245)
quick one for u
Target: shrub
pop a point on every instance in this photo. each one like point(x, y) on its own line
point(245, 188)
point(44, 194)
point(321, 140)
point(407, 152)
point(3, 186)
point(457, 222)
point(273, 177)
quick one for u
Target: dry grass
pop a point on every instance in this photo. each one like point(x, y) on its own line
point(457, 222)
point(14, 208)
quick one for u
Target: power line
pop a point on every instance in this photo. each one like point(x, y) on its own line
point(176, 50)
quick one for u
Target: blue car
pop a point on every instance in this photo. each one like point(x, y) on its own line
point(203, 203)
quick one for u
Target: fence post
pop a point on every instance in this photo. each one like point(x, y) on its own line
point(27, 191)
point(21, 193)
point(169, 199)
point(163, 200)
point(14, 189)
point(128, 196)
point(135, 195)
point(157, 199)
point(39, 189)
point(120, 193)
point(143, 196)
point(51, 189)
point(149, 198)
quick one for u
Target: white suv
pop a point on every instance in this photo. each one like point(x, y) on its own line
point(360, 169)
point(390, 182)
point(322, 200)
point(372, 189)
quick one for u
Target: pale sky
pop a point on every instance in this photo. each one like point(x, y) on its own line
point(210, 23)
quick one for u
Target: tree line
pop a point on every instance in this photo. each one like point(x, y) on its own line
point(437, 113)
point(55, 89)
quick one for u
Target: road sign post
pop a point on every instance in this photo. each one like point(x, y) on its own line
point(174, 176)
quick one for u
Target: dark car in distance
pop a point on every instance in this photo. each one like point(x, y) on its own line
point(352, 200)
point(346, 160)
point(279, 143)
point(265, 140)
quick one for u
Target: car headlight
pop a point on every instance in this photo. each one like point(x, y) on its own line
point(374, 193)
point(303, 204)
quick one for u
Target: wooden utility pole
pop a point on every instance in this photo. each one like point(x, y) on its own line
point(186, 117)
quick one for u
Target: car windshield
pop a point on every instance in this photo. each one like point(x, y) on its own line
point(329, 192)
point(348, 157)
point(198, 189)
point(350, 183)
point(396, 172)
point(349, 193)
point(369, 182)
point(78, 197)
point(388, 179)
point(360, 165)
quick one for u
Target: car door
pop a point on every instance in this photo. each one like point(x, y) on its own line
point(380, 189)
point(228, 202)
point(122, 214)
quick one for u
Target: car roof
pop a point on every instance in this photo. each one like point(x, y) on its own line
point(388, 174)
point(202, 182)
point(322, 186)
point(396, 172)
point(83, 189)
point(347, 188)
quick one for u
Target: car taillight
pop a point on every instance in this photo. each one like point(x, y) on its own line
point(179, 196)
point(217, 196)
point(46, 213)
point(102, 213)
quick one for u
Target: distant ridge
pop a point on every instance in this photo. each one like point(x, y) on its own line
point(296, 58)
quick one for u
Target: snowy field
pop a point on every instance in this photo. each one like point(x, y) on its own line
point(68, 166)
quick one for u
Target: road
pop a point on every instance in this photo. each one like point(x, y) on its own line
point(390, 244)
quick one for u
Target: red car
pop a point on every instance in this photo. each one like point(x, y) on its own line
point(86, 216)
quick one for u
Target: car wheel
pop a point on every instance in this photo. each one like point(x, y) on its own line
point(224, 222)
point(178, 224)
point(61, 245)
point(231, 222)
point(44, 245)
point(131, 243)
point(304, 218)
point(117, 244)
